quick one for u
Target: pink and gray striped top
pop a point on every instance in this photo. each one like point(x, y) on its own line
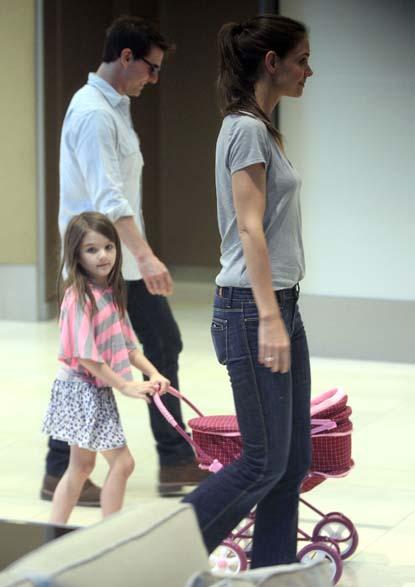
point(104, 337)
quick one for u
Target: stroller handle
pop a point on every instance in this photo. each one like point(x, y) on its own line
point(215, 464)
point(319, 425)
point(165, 412)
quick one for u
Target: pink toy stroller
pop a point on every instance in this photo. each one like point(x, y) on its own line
point(217, 442)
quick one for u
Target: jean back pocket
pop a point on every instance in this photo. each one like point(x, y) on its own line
point(219, 332)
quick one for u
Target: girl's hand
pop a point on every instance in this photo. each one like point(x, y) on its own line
point(140, 390)
point(274, 344)
point(162, 383)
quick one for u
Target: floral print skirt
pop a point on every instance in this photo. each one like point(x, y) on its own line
point(84, 415)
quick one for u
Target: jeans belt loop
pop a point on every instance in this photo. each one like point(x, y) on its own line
point(296, 291)
point(229, 298)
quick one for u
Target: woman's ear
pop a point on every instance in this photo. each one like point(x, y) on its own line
point(271, 61)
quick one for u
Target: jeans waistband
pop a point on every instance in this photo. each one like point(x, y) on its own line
point(246, 293)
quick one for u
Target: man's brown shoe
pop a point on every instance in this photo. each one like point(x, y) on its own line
point(172, 478)
point(90, 494)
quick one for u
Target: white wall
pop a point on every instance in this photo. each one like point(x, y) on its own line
point(352, 136)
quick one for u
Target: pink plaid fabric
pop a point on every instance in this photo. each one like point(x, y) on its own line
point(311, 481)
point(209, 433)
point(225, 424)
point(342, 417)
point(219, 438)
point(332, 411)
point(331, 454)
point(332, 450)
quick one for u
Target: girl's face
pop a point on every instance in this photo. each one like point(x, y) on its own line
point(293, 71)
point(97, 256)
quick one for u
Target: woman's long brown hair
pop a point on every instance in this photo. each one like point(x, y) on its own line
point(242, 48)
point(76, 276)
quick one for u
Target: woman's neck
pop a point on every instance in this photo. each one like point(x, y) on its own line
point(265, 97)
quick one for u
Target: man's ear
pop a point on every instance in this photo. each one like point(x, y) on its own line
point(126, 56)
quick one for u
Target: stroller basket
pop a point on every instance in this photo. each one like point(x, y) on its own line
point(219, 437)
point(331, 428)
point(217, 440)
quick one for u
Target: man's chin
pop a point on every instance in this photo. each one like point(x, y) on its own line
point(135, 93)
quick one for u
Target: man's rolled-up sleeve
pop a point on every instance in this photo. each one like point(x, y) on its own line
point(95, 146)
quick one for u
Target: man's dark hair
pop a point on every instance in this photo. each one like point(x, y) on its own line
point(135, 33)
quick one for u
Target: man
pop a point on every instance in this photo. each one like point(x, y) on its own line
point(100, 169)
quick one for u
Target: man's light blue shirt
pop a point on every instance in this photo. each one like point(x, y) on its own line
point(100, 160)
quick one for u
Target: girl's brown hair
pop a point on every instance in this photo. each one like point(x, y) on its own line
point(242, 48)
point(76, 276)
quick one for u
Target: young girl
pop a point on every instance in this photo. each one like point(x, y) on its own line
point(97, 348)
point(257, 329)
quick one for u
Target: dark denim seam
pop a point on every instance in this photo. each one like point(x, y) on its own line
point(261, 476)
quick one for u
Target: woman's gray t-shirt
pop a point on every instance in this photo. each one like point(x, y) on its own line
point(244, 140)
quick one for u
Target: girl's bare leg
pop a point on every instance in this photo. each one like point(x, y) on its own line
point(121, 465)
point(68, 490)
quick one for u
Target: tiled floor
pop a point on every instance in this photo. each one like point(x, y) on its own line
point(378, 495)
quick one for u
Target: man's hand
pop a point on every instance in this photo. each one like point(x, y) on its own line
point(156, 275)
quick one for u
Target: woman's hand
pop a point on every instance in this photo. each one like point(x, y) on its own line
point(249, 187)
point(141, 390)
point(274, 344)
point(162, 383)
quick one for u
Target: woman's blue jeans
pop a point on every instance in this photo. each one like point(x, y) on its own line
point(273, 411)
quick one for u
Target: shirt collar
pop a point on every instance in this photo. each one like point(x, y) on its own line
point(113, 97)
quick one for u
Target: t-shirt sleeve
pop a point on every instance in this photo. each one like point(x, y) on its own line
point(248, 144)
point(77, 335)
point(128, 332)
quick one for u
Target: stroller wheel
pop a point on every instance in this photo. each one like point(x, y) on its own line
point(335, 514)
point(228, 558)
point(317, 551)
point(338, 529)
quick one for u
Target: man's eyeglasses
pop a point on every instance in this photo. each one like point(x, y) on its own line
point(154, 69)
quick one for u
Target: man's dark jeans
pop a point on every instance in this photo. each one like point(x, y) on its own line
point(273, 411)
point(159, 335)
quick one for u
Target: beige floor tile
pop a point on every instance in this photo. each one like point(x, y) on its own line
point(377, 572)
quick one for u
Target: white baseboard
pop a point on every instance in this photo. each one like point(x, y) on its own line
point(19, 295)
point(349, 328)
point(360, 328)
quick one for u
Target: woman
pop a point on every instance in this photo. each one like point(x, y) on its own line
point(257, 329)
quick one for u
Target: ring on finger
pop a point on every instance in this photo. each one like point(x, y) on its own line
point(269, 359)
